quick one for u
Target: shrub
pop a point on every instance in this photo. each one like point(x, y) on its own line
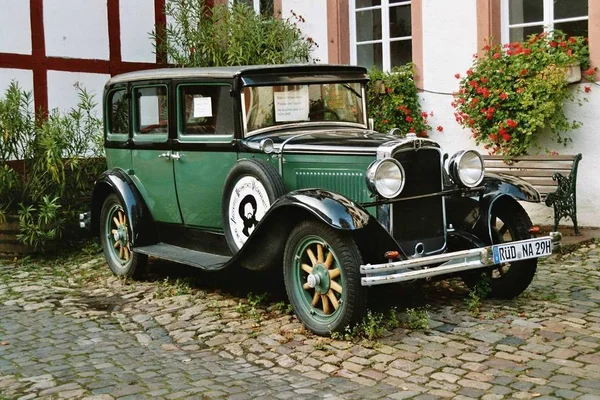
point(199, 36)
point(393, 101)
point(47, 168)
point(514, 93)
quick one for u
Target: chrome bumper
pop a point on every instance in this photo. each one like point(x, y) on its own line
point(85, 220)
point(447, 263)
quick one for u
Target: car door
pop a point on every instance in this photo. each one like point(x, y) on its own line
point(204, 145)
point(151, 155)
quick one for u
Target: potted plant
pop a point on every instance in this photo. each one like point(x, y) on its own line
point(515, 92)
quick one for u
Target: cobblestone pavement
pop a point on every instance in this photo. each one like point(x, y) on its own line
point(69, 329)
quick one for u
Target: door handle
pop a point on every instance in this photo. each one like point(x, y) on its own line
point(175, 156)
point(165, 155)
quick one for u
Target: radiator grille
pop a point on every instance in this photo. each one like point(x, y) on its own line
point(420, 220)
point(348, 183)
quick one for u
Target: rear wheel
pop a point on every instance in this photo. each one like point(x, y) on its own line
point(322, 279)
point(115, 234)
point(509, 222)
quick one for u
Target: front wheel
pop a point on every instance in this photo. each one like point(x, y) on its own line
point(509, 222)
point(322, 278)
point(115, 234)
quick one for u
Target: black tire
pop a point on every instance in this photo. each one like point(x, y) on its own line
point(509, 222)
point(318, 317)
point(244, 175)
point(121, 260)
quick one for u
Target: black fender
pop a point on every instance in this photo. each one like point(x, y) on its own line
point(473, 214)
point(264, 248)
point(119, 182)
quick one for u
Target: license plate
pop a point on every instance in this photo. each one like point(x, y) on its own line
point(522, 250)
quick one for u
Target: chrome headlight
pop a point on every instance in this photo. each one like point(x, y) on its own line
point(386, 177)
point(466, 168)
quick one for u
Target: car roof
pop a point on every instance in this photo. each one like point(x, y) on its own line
point(235, 72)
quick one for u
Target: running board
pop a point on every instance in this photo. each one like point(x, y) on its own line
point(199, 259)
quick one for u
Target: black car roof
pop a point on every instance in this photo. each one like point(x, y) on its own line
point(253, 73)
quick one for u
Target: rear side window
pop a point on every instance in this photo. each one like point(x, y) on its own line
point(152, 110)
point(205, 110)
point(118, 112)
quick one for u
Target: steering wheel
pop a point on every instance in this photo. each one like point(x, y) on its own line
point(323, 111)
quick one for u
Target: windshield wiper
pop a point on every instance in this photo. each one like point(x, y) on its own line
point(350, 88)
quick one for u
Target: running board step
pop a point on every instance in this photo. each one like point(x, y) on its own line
point(207, 261)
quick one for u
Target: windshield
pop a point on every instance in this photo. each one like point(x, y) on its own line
point(267, 106)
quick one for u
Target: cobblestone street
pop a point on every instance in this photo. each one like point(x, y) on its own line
point(69, 329)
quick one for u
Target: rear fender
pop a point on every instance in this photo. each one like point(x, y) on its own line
point(117, 181)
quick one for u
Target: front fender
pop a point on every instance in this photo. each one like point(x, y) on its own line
point(117, 181)
point(264, 248)
point(497, 184)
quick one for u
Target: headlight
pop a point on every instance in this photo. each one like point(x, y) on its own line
point(386, 177)
point(466, 168)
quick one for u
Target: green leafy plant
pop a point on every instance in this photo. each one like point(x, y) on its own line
point(479, 292)
point(48, 166)
point(171, 288)
point(418, 318)
point(393, 102)
point(373, 326)
point(516, 92)
point(199, 36)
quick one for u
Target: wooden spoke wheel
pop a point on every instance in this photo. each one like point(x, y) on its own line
point(508, 222)
point(322, 278)
point(115, 233)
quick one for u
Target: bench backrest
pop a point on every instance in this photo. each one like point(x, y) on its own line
point(537, 170)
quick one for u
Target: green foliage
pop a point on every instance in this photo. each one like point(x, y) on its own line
point(48, 166)
point(515, 93)
point(197, 36)
point(418, 318)
point(480, 291)
point(283, 308)
point(172, 288)
point(373, 326)
point(393, 101)
point(252, 305)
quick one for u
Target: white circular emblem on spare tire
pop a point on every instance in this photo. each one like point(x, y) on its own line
point(248, 203)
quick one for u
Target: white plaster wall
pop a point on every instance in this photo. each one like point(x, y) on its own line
point(76, 29)
point(15, 27)
point(23, 77)
point(63, 94)
point(137, 21)
point(449, 41)
point(314, 13)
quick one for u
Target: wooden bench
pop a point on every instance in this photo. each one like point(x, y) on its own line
point(554, 177)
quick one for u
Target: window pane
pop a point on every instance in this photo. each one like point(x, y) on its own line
point(400, 21)
point(368, 25)
point(152, 110)
point(574, 28)
point(266, 7)
point(367, 3)
point(570, 8)
point(119, 113)
point(401, 52)
point(369, 55)
point(206, 110)
point(523, 11)
point(520, 34)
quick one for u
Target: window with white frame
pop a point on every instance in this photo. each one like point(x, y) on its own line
point(263, 7)
point(380, 33)
point(521, 18)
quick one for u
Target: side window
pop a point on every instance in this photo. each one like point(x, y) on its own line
point(151, 111)
point(205, 110)
point(118, 115)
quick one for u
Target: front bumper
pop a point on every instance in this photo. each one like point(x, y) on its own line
point(442, 264)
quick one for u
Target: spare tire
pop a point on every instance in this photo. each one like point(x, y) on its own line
point(251, 187)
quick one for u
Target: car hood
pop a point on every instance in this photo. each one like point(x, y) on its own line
point(344, 140)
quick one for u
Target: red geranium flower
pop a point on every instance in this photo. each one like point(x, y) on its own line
point(511, 124)
point(440, 128)
point(496, 56)
point(503, 96)
point(457, 76)
point(409, 118)
point(587, 89)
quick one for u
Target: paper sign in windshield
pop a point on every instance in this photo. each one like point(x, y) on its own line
point(291, 105)
point(202, 107)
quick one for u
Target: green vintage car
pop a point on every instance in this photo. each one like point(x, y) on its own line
point(276, 167)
